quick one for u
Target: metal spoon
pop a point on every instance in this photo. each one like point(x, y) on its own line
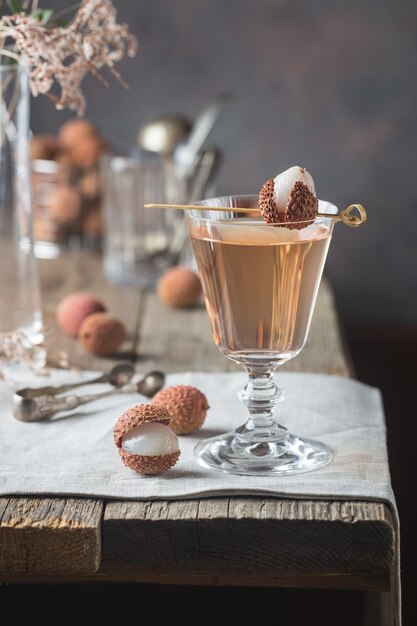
point(118, 376)
point(28, 409)
point(211, 159)
point(205, 173)
point(187, 152)
point(163, 134)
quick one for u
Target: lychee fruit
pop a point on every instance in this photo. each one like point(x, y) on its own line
point(186, 405)
point(179, 287)
point(81, 141)
point(289, 199)
point(65, 203)
point(145, 440)
point(74, 130)
point(73, 310)
point(102, 334)
point(45, 147)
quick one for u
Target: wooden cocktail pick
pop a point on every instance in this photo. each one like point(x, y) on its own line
point(346, 216)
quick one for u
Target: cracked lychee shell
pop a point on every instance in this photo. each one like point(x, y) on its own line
point(186, 405)
point(130, 419)
point(301, 209)
point(267, 204)
point(302, 206)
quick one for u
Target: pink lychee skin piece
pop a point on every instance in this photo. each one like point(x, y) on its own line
point(73, 310)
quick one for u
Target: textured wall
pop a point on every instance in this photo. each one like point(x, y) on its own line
point(331, 85)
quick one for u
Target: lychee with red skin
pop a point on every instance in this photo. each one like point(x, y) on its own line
point(186, 405)
point(102, 334)
point(179, 287)
point(65, 203)
point(45, 147)
point(73, 310)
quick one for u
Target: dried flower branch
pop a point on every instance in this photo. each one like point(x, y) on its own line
point(15, 347)
point(62, 56)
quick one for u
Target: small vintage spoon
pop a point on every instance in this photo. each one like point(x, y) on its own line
point(29, 409)
point(118, 376)
point(163, 134)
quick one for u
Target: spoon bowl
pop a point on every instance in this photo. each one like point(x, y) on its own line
point(26, 409)
point(151, 383)
point(120, 374)
point(163, 134)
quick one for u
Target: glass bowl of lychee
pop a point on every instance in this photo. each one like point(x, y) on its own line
point(66, 188)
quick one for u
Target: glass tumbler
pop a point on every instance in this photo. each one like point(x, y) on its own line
point(66, 208)
point(21, 327)
point(139, 243)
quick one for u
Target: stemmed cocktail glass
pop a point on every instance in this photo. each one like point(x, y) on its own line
point(260, 284)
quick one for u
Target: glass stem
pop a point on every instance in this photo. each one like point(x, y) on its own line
point(260, 395)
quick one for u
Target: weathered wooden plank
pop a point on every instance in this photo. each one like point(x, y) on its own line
point(379, 609)
point(367, 582)
point(177, 340)
point(247, 537)
point(50, 535)
point(3, 504)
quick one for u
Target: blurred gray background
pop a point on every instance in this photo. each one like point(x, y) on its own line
point(329, 85)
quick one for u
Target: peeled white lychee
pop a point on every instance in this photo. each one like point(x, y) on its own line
point(284, 183)
point(145, 442)
point(150, 439)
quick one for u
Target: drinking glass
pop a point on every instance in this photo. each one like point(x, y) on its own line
point(66, 208)
point(140, 243)
point(21, 327)
point(260, 285)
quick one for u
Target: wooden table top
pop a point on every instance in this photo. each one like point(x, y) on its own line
point(227, 540)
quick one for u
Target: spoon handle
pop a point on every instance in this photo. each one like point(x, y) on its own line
point(48, 407)
point(92, 397)
point(205, 122)
point(37, 392)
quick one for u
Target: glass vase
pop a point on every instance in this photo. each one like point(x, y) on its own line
point(21, 326)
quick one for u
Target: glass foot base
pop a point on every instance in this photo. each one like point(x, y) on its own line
point(288, 455)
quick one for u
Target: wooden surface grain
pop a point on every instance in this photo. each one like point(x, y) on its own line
point(287, 542)
point(247, 537)
point(49, 535)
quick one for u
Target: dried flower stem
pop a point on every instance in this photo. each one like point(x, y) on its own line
point(62, 56)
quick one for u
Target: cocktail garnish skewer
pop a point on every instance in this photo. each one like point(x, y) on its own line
point(344, 216)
